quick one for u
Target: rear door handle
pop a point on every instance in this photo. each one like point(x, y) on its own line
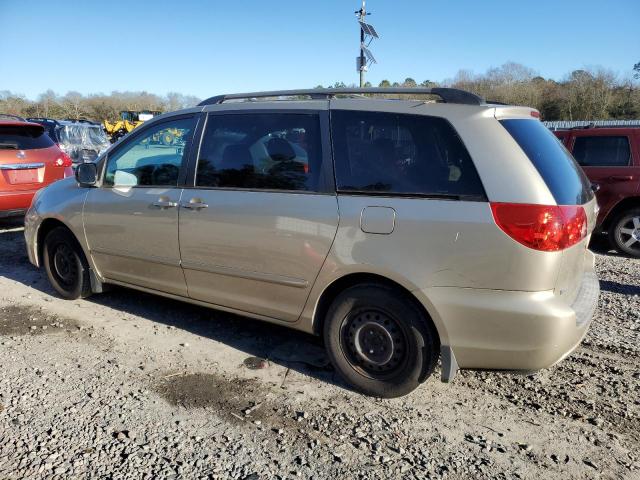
point(194, 204)
point(164, 204)
point(621, 178)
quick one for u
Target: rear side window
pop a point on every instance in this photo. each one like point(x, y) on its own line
point(564, 177)
point(23, 138)
point(265, 151)
point(602, 151)
point(400, 154)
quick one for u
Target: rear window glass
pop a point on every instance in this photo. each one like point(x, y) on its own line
point(564, 177)
point(602, 151)
point(23, 138)
point(378, 152)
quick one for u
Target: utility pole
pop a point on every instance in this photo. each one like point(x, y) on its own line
point(363, 65)
point(366, 32)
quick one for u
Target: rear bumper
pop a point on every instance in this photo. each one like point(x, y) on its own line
point(510, 330)
point(15, 203)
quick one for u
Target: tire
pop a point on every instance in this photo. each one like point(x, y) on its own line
point(66, 265)
point(379, 341)
point(624, 233)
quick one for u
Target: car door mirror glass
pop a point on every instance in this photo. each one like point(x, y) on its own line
point(87, 174)
point(124, 179)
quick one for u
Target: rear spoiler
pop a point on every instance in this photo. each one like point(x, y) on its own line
point(504, 112)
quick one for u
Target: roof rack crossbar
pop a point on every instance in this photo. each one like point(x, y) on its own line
point(448, 95)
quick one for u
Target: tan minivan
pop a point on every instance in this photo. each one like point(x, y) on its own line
point(403, 231)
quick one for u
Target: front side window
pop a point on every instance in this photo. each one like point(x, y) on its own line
point(599, 151)
point(401, 154)
point(275, 151)
point(152, 158)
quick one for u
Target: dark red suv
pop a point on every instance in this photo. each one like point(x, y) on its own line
point(610, 156)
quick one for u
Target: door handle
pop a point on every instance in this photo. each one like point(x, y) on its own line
point(194, 204)
point(164, 204)
point(621, 178)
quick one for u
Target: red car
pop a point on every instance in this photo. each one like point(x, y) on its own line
point(29, 160)
point(610, 156)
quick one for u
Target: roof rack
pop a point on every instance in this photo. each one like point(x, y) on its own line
point(448, 95)
point(42, 119)
point(79, 120)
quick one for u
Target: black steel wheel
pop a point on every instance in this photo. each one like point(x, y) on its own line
point(375, 342)
point(379, 340)
point(65, 264)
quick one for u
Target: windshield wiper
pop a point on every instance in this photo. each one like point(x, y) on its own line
point(8, 146)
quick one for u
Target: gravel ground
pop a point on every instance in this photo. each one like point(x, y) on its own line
point(128, 385)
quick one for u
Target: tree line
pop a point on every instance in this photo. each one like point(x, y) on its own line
point(588, 94)
point(96, 107)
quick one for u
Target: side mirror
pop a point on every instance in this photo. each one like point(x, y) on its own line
point(87, 174)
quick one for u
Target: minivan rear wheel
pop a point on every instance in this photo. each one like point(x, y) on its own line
point(66, 265)
point(379, 341)
point(625, 232)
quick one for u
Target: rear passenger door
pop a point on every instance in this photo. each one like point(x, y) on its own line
point(258, 220)
point(607, 157)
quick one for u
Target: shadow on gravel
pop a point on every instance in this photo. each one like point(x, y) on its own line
point(289, 348)
point(292, 349)
point(622, 288)
point(600, 244)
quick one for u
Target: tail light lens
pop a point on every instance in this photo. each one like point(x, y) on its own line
point(63, 161)
point(548, 228)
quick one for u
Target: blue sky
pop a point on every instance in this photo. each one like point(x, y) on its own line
point(204, 47)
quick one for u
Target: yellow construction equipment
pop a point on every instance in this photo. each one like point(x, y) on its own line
point(128, 120)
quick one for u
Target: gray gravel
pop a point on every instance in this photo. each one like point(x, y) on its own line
point(127, 385)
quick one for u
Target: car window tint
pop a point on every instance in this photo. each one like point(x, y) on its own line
point(602, 151)
point(402, 154)
point(278, 151)
point(565, 179)
point(23, 138)
point(153, 158)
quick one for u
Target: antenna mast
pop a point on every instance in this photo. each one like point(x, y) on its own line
point(367, 32)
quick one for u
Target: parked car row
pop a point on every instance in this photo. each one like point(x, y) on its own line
point(610, 156)
point(403, 232)
point(81, 140)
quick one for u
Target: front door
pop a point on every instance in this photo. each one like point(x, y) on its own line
point(607, 157)
point(258, 223)
point(131, 219)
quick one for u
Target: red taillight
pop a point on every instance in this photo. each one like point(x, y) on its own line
point(548, 228)
point(535, 114)
point(63, 161)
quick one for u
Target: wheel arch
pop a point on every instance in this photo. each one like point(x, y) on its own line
point(338, 285)
point(46, 226)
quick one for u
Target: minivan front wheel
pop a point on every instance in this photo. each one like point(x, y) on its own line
point(66, 265)
point(625, 232)
point(379, 341)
